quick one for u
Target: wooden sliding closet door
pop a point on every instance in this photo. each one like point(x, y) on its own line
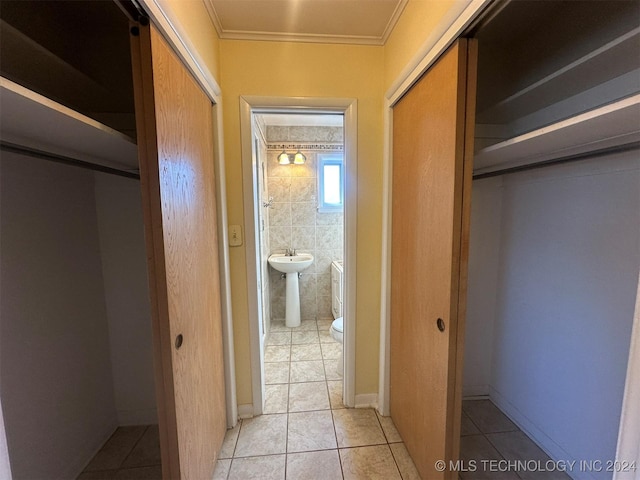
point(432, 149)
point(175, 141)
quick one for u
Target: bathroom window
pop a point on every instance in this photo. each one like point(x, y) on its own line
point(330, 182)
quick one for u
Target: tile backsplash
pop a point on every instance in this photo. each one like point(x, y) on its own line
point(294, 220)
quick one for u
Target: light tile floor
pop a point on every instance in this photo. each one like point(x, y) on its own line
point(306, 432)
point(131, 453)
point(487, 434)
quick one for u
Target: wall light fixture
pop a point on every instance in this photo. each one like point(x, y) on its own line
point(287, 158)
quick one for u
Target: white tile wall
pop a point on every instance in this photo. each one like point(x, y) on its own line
point(296, 223)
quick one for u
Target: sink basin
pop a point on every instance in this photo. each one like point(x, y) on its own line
point(290, 264)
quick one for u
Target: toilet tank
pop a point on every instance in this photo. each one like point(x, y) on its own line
point(337, 274)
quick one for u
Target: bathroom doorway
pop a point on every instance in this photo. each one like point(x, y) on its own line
point(301, 206)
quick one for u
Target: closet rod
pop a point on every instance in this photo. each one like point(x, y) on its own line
point(557, 161)
point(32, 152)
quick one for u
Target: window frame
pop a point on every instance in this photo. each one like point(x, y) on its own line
point(325, 159)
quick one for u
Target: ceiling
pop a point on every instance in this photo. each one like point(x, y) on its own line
point(366, 22)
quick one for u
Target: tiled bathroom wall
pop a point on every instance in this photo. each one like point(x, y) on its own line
point(294, 220)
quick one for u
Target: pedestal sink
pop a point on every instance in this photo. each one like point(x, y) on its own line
point(291, 265)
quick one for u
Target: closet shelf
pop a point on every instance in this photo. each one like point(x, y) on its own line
point(608, 126)
point(33, 121)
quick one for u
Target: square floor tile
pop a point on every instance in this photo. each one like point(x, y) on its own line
point(279, 338)
point(276, 398)
point(146, 453)
point(323, 465)
point(389, 429)
point(372, 463)
point(403, 460)
point(298, 338)
point(333, 369)
point(222, 469)
point(229, 443)
point(331, 351)
point(116, 449)
point(518, 446)
point(140, 473)
point(277, 372)
point(278, 326)
point(477, 448)
point(357, 427)
point(307, 371)
point(325, 336)
point(306, 325)
point(467, 427)
point(335, 394)
point(308, 396)
point(310, 351)
point(263, 435)
point(277, 353)
point(271, 467)
point(487, 417)
point(310, 431)
point(98, 475)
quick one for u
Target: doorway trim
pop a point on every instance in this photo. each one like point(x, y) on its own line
point(344, 106)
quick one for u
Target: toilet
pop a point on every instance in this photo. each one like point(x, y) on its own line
point(337, 330)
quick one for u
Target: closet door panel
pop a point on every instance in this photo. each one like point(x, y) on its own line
point(176, 150)
point(432, 145)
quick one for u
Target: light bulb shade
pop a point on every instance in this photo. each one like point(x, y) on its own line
point(284, 159)
point(299, 158)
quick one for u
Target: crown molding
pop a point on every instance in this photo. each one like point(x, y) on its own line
point(305, 37)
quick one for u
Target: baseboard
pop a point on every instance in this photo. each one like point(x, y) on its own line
point(475, 391)
point(366, 400)
point(546, 443)
point(147, 416)
point(475, 397)
point(245, 411)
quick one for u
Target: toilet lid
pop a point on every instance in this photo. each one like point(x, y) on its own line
point(337, 325)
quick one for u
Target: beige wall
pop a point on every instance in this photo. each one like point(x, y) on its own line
point(300, 69)
point(317, 70)
point(193, 17)
point(419, 20)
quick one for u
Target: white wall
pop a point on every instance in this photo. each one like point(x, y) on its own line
point(484, 251)
point(57, 396)
point(569, 257)
point(126, 291)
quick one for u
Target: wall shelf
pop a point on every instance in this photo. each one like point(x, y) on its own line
point(608, 126)
point(36, 122)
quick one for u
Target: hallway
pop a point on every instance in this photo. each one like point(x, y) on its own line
point(306, 432)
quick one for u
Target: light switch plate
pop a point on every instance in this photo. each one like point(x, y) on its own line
point(235, 235)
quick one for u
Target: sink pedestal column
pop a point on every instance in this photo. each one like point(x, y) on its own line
point(292, 311)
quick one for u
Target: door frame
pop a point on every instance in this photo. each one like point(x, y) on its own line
point(344, 106)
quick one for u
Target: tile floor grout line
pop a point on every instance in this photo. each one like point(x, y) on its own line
point(395, 461)
point(147, 427)
point(335, 433)
point(471, 420)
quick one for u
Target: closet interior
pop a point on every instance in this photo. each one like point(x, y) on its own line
point(555, 245)
point(76, 356)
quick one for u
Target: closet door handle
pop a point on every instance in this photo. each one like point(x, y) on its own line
point(179, 340)
point(440, 324)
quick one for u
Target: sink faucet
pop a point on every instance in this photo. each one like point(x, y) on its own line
point(291, 252)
